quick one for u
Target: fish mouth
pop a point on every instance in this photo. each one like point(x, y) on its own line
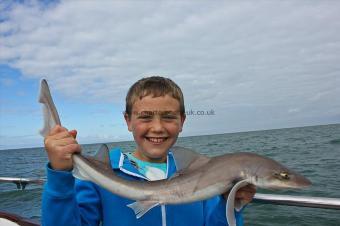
point(301, 182)
point(156, 140)
point(297, 184)
point(305, 183)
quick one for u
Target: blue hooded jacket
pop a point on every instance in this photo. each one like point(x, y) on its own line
point(69, 201)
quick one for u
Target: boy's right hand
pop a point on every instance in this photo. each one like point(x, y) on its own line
point(60, 145)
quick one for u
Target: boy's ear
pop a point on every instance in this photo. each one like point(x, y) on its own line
point(183, 117)
point(128, 121)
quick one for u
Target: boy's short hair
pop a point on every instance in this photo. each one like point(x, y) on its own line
point(156, 86)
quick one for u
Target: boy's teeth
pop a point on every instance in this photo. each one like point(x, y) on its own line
point(156, 140)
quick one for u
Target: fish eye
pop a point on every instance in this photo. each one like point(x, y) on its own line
point(282, 175)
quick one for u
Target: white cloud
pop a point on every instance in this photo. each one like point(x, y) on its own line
point(244, 60)
point(6, 82)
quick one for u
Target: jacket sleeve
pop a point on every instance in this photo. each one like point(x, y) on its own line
point(67, 201)
point(215, 212)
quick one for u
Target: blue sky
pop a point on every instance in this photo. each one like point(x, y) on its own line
point(273, 64)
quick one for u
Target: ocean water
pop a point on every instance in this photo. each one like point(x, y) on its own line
point(313, 151)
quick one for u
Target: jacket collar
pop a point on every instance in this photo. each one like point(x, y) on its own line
point(119, 161)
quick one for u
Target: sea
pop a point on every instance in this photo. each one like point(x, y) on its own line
point(313, 151)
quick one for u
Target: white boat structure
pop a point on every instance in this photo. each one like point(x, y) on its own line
point(21, 182)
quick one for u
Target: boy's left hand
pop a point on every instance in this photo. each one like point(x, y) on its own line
point(245, 194)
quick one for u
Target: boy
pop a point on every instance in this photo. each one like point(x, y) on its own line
point(155, 115)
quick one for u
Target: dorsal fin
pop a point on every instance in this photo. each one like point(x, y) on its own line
point(187, 159)
point(103, 154)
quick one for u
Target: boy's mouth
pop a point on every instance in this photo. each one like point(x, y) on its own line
point(156, 140)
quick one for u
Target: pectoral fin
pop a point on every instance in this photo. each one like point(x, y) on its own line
point(230, 208)
point(142, 207)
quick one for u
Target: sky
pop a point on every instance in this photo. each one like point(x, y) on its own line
point(247, 66)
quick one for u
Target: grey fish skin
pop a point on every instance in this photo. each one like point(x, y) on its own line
point(214, 177)
point(222, 172)
point(198, 178)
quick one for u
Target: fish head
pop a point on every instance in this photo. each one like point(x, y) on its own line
point(273, 175)
point(284, 179)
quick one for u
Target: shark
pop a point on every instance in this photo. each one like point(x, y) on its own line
point(198, 176)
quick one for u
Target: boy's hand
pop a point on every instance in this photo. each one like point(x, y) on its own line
point(60, 144)
point(244, 194)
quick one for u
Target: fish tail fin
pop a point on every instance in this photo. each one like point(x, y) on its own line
point(142, 207)
point(50, 113)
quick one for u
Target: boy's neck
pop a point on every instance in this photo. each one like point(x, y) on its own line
point(140, 156)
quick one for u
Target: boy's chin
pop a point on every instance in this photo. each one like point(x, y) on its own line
point(157, 152)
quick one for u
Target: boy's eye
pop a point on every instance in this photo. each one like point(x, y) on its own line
point(169, 116)
point(145, 117)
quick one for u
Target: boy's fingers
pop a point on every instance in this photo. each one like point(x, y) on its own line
point(57, 139)
point(246, 192)
point(60, 135)
point(57, 129)
point(66, 141)
point(251, 188)
point(78, 149)
point(62, 158)
point(73, 133)
point(72, 148)
point(64, 134)
point(60, 145)
point(60, 139)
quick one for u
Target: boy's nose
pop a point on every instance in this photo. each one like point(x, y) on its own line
point(157, 125)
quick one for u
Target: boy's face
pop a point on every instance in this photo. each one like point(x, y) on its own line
point(155, 123)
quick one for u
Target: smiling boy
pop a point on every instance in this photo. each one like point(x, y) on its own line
point(155, 115)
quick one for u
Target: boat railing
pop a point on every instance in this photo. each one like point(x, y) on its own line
point(290, 200)
point(304, 201)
